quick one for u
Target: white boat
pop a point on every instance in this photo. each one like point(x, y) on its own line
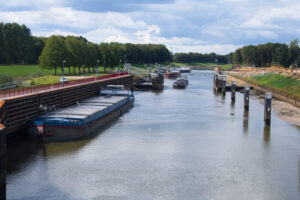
point(185, 70)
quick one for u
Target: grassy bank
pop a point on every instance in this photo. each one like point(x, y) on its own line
point(23, 70)
point(15, 71)
point(196, 64)
point(28, 73)
point(284, 85)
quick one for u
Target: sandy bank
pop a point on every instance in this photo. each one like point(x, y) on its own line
point(284, 109)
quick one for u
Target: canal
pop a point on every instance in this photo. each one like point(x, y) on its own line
point(176, 144)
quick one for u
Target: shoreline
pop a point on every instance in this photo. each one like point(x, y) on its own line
point(285, 108)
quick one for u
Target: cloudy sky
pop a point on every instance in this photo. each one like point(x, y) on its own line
point(202, 26)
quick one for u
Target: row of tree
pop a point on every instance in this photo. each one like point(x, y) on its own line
point(198, 57)
point(78, 52)
point(17, 46)
point(267, 54)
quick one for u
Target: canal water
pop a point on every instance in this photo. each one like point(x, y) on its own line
point(176, 144)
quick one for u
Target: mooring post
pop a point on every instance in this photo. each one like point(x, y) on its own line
point(268, 103)
point(233, 91)
point(216, 81)
point(224, 84)
point(3, 163)
point(246, 98)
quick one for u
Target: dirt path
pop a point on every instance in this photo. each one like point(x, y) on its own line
point(254, 71)
point(285, 111)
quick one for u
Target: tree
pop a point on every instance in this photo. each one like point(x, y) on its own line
point(280, 55)
point(237, 57)
point(294, 51)
point(53, 53)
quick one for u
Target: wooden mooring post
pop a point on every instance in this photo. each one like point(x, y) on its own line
point(246, 98)
point(2, 163)
point(268, 103)
point(216, 80)
point(233, 84)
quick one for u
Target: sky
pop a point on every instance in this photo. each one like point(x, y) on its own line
point(203, 26)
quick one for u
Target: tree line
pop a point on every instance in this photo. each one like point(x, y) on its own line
point(267, 54)
point(17, 46)
point(198, 57)
point(79, 53)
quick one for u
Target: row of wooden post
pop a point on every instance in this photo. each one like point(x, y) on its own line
point(220, 83)
point(268, 101)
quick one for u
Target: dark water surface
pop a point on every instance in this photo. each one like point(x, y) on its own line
point(177, 144)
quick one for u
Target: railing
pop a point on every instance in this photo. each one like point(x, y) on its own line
point(9, 85)
point(41, 88)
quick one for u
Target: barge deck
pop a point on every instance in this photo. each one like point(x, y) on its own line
point(79, 121)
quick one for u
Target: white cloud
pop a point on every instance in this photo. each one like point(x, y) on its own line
point(185, 25)
point(37, 4)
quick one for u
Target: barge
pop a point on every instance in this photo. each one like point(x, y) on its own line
point(81, 120)
point(181, 83)
point(171, 74)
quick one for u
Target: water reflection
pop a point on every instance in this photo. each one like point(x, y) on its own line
point(19, 153)
point(245, 121)
point(232, 104)
point(267, 130)
point(58, 149)
point(223, 95)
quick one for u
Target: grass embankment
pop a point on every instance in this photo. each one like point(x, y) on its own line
point(206, 65)
point(32, 70)
point(226, 67)
point(29, 73)
point(284, 85)
point(195, 64)
point(24, 70)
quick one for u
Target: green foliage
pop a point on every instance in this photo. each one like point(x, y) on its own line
point(237, 57)
point(226, 67)
point(294, 52)
point(24, 70)
point(53, 53)
point(80, 53)
point(199, 58)
point(196, 64)
point(284, 84)
point(268, 54)
point(49, 79)
point(17, 46)
point(277, 80)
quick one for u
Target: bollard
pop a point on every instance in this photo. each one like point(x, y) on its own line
point(246, 98)
point(215, 81)
point(233, 91)
point(224, 84)
point(268, 103)
point(2, 163)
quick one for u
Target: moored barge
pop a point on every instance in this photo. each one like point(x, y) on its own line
point(171, 74)
point(181, 83)
point(81, 120)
